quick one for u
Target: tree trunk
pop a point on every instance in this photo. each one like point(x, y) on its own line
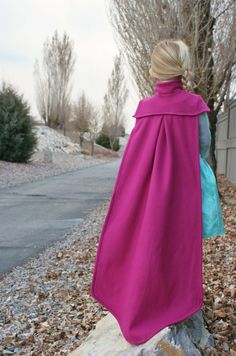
point(92, 148)
point(81, 139)
point(207, 36)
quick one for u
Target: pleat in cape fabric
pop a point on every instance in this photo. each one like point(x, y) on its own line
point(148, 268)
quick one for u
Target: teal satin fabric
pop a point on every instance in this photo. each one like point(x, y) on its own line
point(212, 219)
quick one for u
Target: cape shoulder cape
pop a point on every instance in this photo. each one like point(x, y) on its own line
point(148, 268)
point(182, 103)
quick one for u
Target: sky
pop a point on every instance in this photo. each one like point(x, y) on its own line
point(26, 24)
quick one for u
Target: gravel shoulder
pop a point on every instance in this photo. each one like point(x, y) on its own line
point(45, 308)
point(13, 174)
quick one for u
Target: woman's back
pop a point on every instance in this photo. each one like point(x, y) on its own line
point(148, 269)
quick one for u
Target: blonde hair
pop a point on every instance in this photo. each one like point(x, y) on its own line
point(171, 58)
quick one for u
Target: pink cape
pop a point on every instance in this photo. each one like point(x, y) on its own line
point(148, 269)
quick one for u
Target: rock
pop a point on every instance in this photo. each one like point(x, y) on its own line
point(187, 338)
point(47, 156)
point(51, 140)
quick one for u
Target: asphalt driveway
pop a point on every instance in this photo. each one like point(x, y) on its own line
point(33, 215)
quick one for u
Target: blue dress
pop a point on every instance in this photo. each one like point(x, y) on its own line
point(212, 219)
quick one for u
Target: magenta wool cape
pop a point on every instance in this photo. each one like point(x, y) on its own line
point(148, 269)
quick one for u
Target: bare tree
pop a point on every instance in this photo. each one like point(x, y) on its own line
point(81, 112)
point(53, 85)
point(114, 101)
point(207, 26)
point(94, 125)
point(43, 88)
point(86, 118)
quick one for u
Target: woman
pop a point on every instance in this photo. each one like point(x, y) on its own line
point(148, 269)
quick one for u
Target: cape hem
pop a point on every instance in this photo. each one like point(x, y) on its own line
point(138, 342)
point(214, 235)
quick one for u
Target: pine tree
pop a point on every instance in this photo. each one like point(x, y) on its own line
point(17, 139)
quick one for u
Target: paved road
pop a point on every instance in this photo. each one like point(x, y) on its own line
point(35, 214)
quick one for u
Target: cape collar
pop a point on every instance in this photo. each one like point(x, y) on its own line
point(168, 87)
